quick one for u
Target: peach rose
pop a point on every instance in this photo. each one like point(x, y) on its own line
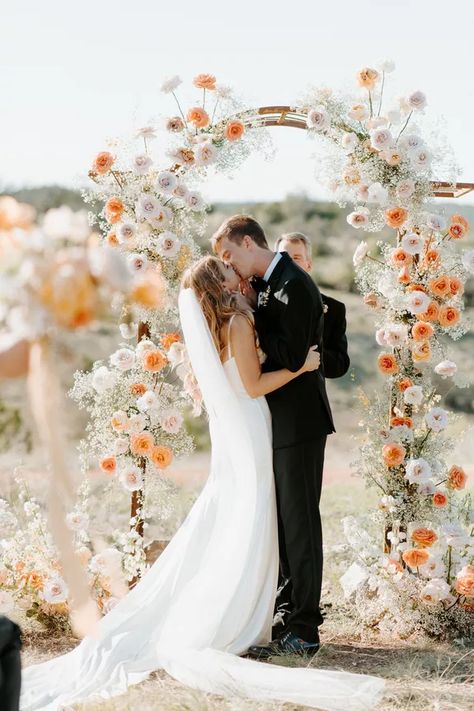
point(371, 300)
point(431, 313)
point(464, 584)
point(393, 566)
point(205, 81)
point(405, 383)
point(448, 316)
point(422, 330)
point(175, 124)
point(456, 231)
point(421, 351)
point(399, 421)
point(149, 291)
point(112, 240)
point(440, 500)
point(141, 443)
point(439, 286)
point(234, 130)
point(455, 286)
point(457, 478)
point(431, 258)
point(393, 454)
point(161, 456)
point(367, 77)
point(404, 275)
point(424, 537)
point(103, 162)
point(154, 361)
point(198, 117)
point(416, 287)
point(167, 340)
point(137, 389)
point(108, 465)
point(396, 217)
point(387, 364)
point(459, 219)
point(114, 208)
point(400, 258)
point(414, 557)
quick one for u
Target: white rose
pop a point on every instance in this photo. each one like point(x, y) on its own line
point(358, 218)
point(435, 222)
point(376, 122)
point(176, 353)
point(426, 488)
point(144, 345)
point(360, 254)
point(318, 119)
point(120, 446)
point(349, 142)
point(223, 91)
point(421, 158)
point(417, 100)
point(386, 65)
point(166, 181)
point(378, 194)
point(147, 206)
point(136, 424)
point(358, 112)
point(413, 395)
point(125, 232)
point(167, 245)
point(128, 330)
point(194, 200)
point(180, 190)
point(103, 379)
point(405, 189)
point(411, 142)
point(205, 153)
point(55, 590)
point(147, 132)
point(381, 139)
point(77, 520)
point(412, 243)
point(147, 401)
point(137, 262)
point(161, 219)
point(123, 359)
point(396, 334)
point(380, 337)
point(131, 478)
point(142, 163)
point(433, 568)
point(170, 84)
point(446, 368)
point(435, 590)
point(437, 419)
point(120, 420)
point(171, 421)
point(108, 562)
point(417, 470)
point(394, 117)
point(417, 302)
point(468, 260)
point(363, 193)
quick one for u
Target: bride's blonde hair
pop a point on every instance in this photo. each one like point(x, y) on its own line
point(205, 278)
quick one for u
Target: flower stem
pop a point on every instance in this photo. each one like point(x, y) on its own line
point(381, 94)
point(180, 109)
point(404, 126)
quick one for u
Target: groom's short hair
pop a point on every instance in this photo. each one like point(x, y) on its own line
point(235, 228)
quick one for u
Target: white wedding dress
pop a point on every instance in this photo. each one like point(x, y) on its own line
point(210, 595)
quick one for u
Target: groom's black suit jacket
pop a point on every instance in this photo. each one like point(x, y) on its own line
point(289, 320)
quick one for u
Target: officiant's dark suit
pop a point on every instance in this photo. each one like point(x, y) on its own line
point(289, 319)
point(336, 360)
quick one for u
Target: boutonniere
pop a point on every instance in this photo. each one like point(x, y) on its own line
point(325, 308)
point(264, 296)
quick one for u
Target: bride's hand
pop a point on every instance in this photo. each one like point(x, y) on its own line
point(313, 360)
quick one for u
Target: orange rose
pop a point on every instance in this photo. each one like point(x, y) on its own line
point(414, 557)
point(234, 130)
point(161, 457)
point(431, 258)
point(108, 465)
point(150, 291)
point(422, 330)
point(405, 383)
point(393, 454)
point(137, 389)
point(198, 117)
point(421, 352)
point(141, 444)
point(396, 217)
point(387, 364)
point(399, 421)
point(367, 77)
point(465, 581)
point(404, 275)
point(459, 219)
point(457, 478)
point(455, 286)
point(440, 500)
point(103, 162)
point(456, 231)
point(167, 340)
point(154, 361)
point(205, 81)
point(425, 537)
point(448, 316)
point(400, 258)
point(114, 208)
point(431, 313)
point(112, 239)
point(439, 286)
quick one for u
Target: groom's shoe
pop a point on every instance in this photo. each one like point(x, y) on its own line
point(288, 643)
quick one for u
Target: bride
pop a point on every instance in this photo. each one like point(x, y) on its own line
point(210, 595)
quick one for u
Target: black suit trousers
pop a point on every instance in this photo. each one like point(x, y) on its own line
point(298, 478)
point(10, 665)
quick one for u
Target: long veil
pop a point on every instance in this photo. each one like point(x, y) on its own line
point(196, 609)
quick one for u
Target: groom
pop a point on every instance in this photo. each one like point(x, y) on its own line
point(289, 320)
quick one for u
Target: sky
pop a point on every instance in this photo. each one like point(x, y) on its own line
point(73, 74)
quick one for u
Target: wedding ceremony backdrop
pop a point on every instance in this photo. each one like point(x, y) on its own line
point(380, 155)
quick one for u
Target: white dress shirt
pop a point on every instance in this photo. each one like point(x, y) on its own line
point(272, 266)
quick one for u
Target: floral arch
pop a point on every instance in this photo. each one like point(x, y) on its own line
point(418, 571)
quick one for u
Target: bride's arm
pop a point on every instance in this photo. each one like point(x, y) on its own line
point(256, 383)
